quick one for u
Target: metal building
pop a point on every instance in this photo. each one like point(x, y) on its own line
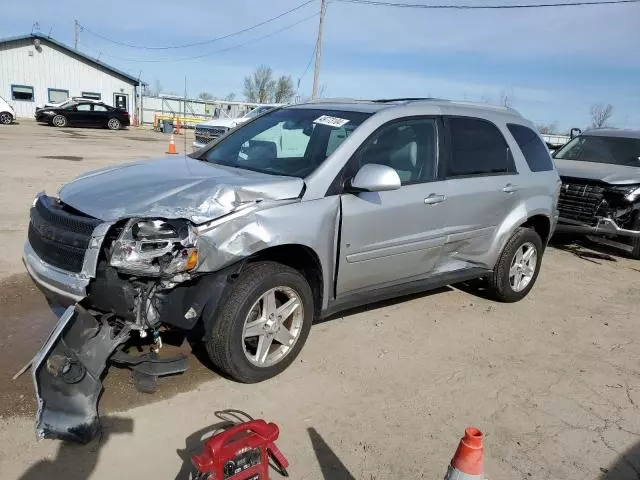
point(36, 69)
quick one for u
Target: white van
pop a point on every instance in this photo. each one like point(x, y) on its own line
point(7, 113)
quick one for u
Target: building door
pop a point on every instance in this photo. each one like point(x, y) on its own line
point(121, 101)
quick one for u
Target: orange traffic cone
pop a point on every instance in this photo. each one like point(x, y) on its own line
point(134, 122)
point(468, 461)
point(172, 146)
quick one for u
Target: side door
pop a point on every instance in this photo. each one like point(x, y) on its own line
point(396, 236)
point(482, 186)
point(99, 115)
point(79, 114)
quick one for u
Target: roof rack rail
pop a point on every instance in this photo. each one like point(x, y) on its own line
point(407, 99)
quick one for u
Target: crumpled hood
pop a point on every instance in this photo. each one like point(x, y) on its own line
point(173, 187)
point(605, 172)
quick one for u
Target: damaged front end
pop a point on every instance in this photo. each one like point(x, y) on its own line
point(137, 274)
point(598, 208)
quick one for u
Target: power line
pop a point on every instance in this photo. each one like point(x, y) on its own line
point(484, 7)
point(193, 57)
point(203, 42)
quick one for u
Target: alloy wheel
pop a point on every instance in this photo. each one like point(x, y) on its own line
point(272, 326)
point(523, 267)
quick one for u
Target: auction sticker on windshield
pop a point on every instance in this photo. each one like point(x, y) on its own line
point(331, 121)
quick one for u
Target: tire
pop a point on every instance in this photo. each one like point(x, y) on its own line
point(59, 121)
point(6, 118)
point(227, 346)
point(114, 124)
point(500, 285)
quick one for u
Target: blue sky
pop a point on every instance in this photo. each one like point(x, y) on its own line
point(552, 63)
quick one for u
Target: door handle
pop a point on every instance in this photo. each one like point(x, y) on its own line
point(508, 188)
point(433, 199)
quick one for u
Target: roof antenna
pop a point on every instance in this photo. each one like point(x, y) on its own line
point(36, 27)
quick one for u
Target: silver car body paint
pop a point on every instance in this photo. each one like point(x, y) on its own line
point(387, 238)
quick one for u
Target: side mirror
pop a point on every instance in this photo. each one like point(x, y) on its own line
point(373, 177)
point(575, 132)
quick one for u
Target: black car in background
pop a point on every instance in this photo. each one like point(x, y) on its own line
point(84, 114)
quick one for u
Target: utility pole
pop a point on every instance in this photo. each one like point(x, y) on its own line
point(76, 34)
point(316, 70)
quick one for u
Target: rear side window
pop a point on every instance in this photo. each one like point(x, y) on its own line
point(534, 151)
point(477, 148)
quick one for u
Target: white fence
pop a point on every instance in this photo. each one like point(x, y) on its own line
point(165, 105)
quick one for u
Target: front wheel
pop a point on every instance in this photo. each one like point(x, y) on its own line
point(6, 118)
point(518, 266)
point(263, 324)
point(114, 124)
point(59, 121)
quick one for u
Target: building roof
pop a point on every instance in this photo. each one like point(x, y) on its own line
point(613, 132)
point(72, 51)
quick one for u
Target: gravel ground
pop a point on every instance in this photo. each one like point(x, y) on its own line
point(382, 392)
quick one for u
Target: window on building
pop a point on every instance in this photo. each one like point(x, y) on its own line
point(92, 95)
point(57, 95)
point(534, 151)
point(22, 92)
point(477, 148)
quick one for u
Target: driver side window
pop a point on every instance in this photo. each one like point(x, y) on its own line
point(408, 146)
point(83, 107)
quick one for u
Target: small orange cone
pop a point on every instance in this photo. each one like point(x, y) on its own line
point(172, 146)
point(468, 461)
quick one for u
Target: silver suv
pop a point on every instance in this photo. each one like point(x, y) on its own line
point(300, 213)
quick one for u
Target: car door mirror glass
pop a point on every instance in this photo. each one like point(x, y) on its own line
point(373, 177)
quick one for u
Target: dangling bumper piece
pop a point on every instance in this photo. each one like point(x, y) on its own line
point(66, 374)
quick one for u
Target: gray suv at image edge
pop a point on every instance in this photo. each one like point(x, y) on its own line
point(302, 212)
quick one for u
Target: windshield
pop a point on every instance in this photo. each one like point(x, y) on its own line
point(597, 149)
point(290, 141)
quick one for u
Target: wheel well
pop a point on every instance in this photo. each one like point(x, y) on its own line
point(304, 260)
point(542, 226)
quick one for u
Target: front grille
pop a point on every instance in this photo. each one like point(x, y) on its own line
point(60, 237)
point(208, 134)
point(580, 201)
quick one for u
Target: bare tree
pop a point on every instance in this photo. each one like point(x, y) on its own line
point(260, 86)
point(205, 96)
point(284, 90)
point(230, 97)
point(600, 114)
point(548, 129)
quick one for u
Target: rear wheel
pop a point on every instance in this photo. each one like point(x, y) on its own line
point(59, 121)
point(114, 124)
point(263, 324)
point(6, 118)
point(517, 268)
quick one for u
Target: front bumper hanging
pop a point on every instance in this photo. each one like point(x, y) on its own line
point(66, 374)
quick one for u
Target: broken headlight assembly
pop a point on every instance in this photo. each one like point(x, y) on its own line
point(155, 247)
point(631, 192)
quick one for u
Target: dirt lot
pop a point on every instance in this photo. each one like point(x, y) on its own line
point(383, 392)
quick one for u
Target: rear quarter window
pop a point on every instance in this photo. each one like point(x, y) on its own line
point(534, 151)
